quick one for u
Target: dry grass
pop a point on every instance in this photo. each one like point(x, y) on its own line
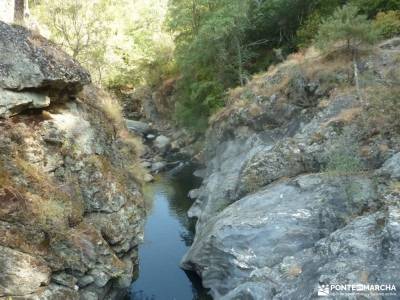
point(382, 112)
point(132, 141)
point(310, 63)
point(112, 109)
point(51, 214)
point(101, 100)
point(395, 187)
point(49, 203)
point(132, 147)
point(316, 67)
point(292, 271)
point(345, 117)
point(4, 176)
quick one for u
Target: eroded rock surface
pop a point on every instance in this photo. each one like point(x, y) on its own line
point(71, 208)
point(30, 62)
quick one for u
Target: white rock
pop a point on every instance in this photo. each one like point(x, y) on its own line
point(158, 166)
point(148, 178)
point(162, 142)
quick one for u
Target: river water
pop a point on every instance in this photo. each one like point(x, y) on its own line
point(168, 234)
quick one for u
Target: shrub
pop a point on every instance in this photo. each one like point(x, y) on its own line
point(196, 102)
point(387, 24)
point(342, 158)
point(308, 30)
point(383, 110)
point(112, 109)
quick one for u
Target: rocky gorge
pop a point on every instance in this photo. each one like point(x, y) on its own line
point(71, 209)
point(300, 177)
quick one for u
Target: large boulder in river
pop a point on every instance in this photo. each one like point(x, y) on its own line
point(162, 143)
point(263, 230)
point(365, 251)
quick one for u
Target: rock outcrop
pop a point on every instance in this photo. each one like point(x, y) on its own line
point(301, 188)
point(71, 208)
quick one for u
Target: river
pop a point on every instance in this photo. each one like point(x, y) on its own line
point(168, 234)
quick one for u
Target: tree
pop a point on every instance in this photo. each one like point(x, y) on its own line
point(348, 30)
point(220, 43)
point(80, 27)
point(309, 26)
point(19, 11)
point(388, 23)
point(210, 53)
point(120, 42)
point(372, 7)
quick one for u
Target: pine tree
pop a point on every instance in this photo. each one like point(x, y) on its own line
point(346, 29)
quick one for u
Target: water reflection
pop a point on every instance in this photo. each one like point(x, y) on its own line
point(168, 233)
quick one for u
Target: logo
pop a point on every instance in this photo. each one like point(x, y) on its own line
point(336, 289)
point(323, 290)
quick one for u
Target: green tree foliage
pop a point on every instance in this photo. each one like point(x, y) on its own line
point(210, 54)
point(309, 28)
point(208, 45)
point(220, 43)
point(120, 41)
point(345, 28)
point(388, 23)
point(77, 27)
point(372, 7)
point(142, 51)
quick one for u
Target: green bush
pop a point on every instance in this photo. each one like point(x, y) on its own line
point(308, 30)
point(343, 157)
point(383, 111)
point(388, 23)
point(196, 102)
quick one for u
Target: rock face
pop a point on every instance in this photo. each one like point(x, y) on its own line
point(27, 273)
point(12, 103)
point(296, 193)
point(31, 61)
point(28, 61)
point(71, 208)
point(391, 168)
point(261, 230)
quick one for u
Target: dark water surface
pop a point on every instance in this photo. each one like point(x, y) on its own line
point(167, 236)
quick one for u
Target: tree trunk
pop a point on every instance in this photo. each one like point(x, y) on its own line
point(20, 9)
point(240, 61)
point(356, 77)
